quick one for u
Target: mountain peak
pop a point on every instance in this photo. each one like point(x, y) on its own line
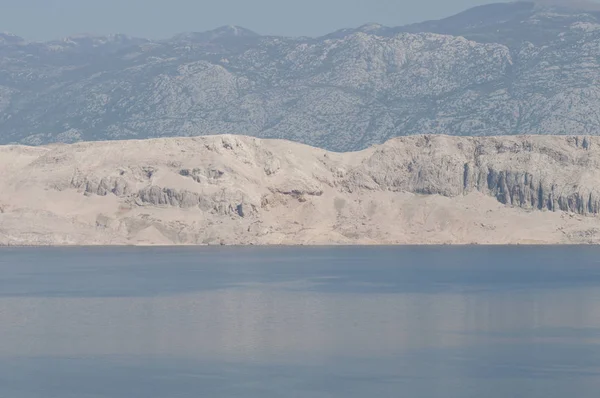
point(9, 38)
point(223, 32)
point(235, 31)
point(99, 39)
point(370, 27)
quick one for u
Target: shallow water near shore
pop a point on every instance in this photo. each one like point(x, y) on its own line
point(300, 322)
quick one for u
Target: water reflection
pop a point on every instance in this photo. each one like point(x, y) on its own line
point(272, 323)
point(288, 328)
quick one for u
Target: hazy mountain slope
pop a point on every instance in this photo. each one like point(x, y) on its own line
point(515, 68)
point(242, 190)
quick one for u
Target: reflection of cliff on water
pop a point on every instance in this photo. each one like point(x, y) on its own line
point(268, 322)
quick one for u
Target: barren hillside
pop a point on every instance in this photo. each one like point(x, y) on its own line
point(243, 190)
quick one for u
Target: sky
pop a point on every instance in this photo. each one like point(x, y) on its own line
point(156, 19)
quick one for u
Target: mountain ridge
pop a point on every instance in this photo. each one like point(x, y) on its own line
point(508, 68)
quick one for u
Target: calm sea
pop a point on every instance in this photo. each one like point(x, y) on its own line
point(490, 322)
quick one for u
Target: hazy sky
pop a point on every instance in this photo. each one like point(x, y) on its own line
point(50, 19)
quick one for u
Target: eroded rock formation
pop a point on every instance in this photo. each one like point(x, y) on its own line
point(242, 190)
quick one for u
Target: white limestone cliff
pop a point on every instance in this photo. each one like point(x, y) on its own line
point(242, 190)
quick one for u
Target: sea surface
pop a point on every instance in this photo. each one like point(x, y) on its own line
point(492, 322)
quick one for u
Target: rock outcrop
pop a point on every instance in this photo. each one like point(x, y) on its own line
point(427, 189)
point(530, 172)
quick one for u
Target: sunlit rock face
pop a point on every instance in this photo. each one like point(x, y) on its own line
point(421, 189)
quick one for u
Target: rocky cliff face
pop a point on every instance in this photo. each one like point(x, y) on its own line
point(532, 173)
point(510, 68)
point(242, 190)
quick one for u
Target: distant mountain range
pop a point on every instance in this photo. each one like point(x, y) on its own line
point(506, 68)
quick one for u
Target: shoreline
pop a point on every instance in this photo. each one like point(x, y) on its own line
point(291, 246)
